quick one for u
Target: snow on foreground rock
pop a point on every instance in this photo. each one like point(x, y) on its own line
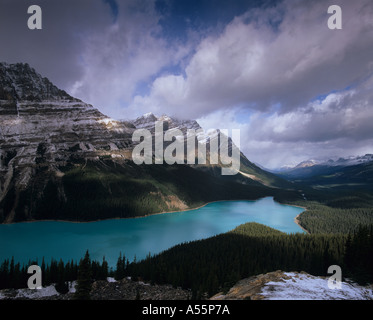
point(28, 293)
point(279, 285)
point(307, 287)
point(111, 289)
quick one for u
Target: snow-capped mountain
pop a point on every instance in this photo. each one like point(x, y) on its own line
point(148, 120)
point(310, 168)
point(308, 163)
point(184, 130)
point(349, 161)
point(340, 162)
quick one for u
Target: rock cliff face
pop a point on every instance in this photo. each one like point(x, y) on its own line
point(39, 119)
point(42, 127)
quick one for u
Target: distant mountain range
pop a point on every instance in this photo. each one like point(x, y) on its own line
point(61, 158)
point(353, 171)
point(340, 162)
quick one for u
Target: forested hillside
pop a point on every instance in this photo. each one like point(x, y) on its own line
point(93, 190)
point(214, 264)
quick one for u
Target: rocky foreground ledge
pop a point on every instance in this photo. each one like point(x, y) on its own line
point(277, 285)
point(124, 289)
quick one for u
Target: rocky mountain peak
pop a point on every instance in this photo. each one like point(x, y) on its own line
point(308, 163)
point(20, 82)
point(147, 121)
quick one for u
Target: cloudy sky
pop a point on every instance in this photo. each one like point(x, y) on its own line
point(273, 69)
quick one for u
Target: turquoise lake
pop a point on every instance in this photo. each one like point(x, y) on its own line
point(140, 236)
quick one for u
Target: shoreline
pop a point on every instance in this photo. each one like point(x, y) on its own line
point(138, 217)
point(296, 220)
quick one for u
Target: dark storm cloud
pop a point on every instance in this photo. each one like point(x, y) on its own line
point(97, 50)
point(54, 50)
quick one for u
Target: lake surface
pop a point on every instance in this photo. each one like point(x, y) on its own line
point(139, 236)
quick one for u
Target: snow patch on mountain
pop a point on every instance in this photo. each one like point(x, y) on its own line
point(308, 163)
point(332, 162)
point(349, 161)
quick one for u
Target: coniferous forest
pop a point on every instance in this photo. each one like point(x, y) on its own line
point(217, 263)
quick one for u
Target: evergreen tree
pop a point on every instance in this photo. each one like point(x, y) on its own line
point(120, 271)
point(104, 273)
point(358, 257)
point(42, 267)
point(11, 273)
point(53, 271)
point(62, 285)
point(4, 274)
point(17, 279)
point(84, 281)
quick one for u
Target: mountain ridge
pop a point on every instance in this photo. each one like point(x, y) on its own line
point(311, 168)
point(55, 147)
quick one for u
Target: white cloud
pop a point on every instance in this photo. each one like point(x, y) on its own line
point(256, 65)
point(338, 125)
point(278, 73)
point(122, 56)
